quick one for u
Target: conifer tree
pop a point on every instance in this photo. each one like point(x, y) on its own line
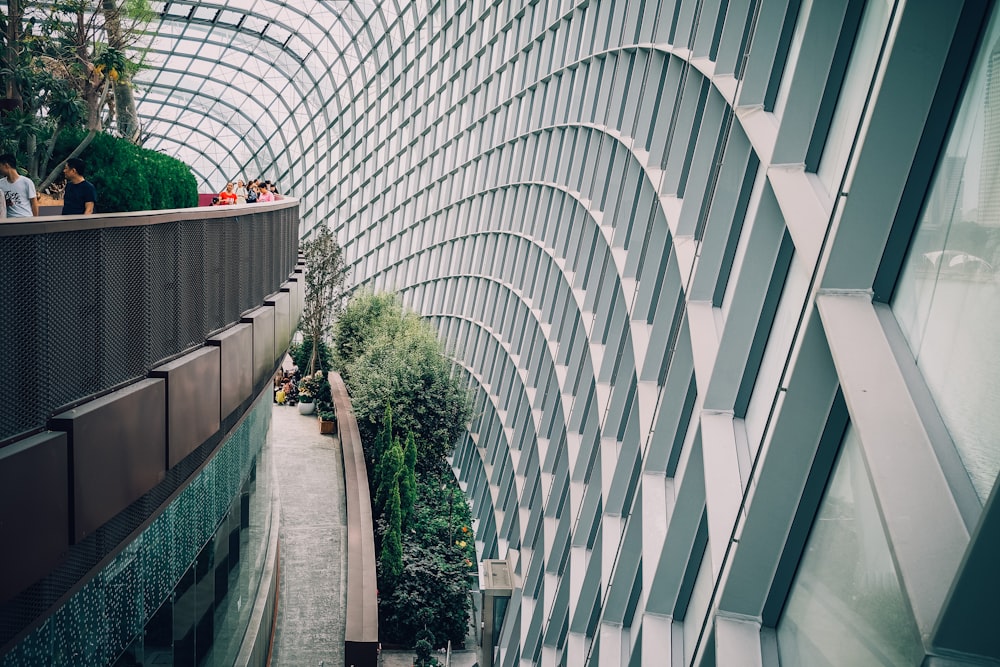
point(408, 478)
point(383, 441)
point(389, 469)
point(391, 558)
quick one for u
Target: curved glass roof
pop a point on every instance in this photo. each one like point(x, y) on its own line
point(247, 88)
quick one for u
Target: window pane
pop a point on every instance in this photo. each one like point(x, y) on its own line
point(947, 301)
point(853, 93)
point(846, 606)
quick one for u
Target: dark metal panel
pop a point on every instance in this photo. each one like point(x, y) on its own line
point(34, 510)
point(193, 400)
point(117, 446)
point(968, 621)
point(299, 274)
point(292, 288)
point(236, 366)
point(262, 320)
point(282, 320)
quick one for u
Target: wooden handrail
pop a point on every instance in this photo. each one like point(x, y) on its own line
point(361, 637)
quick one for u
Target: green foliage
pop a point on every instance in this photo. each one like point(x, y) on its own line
point(130, 178)
point(389, 467)
point(390, 357)
point(431, 592)
point(408, 478)
point(366, 317)
point(424, 646)
point(301, 352)
point(438, 556)
point(60, 62)
point(400, 362)
point(391, 558)
point(383, 441)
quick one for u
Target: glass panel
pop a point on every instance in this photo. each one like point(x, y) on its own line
point(846, 606)
point(794, 50)
point(947, 301)
point(853, 93)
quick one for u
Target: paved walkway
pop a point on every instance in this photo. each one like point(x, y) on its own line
point(311, 603)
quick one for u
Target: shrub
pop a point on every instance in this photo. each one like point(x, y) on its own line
point(366, 317)
point(404, 365)
point(130, 178)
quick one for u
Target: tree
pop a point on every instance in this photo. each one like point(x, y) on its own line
point(424, 646)
point(416, 378)
point(431, 592)
point(121, 20)
point(383, 441)
point(61, 63)
point(391, 559)
point(389, 467)
point(326, 276)
point(365, 318)
point(395, 357)
point(408, 478)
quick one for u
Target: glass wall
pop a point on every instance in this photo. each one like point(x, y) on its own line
point(948, 300)
point(181, 592)
point(846, 606)
point(205, 618)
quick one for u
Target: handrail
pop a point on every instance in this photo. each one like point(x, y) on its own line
point(361, 636)
point(93, 303)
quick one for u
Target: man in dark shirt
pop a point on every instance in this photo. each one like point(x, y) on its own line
point(80, 195)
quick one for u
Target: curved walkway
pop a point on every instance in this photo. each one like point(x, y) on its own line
point(311, 603)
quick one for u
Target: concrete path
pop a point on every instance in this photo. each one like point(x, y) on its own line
point(312, 538)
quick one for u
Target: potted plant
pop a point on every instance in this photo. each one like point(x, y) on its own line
point(327, 420)
point(309, 388)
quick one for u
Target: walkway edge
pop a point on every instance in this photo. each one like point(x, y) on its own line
point(255, 650)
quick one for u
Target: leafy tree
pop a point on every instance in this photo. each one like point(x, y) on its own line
point(405, 365)
point(326, 275)
point(424, 646)
point(62, 62)
point(365, 318)
point(408, 478)
point(431, 592)
point(383, 441)
point(301, 352)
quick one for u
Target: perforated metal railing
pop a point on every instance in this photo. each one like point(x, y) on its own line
point(88, 305)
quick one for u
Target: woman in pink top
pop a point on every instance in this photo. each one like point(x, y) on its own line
point(265, 195)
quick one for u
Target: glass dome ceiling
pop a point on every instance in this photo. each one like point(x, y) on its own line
point(248, 88)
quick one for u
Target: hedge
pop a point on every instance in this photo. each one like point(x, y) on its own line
point(131, 178)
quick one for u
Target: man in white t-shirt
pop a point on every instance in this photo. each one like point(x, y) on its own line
point(18, 191)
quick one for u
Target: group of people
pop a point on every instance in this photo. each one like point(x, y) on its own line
point(286, 385)
point(20, 200)
point(247, 193)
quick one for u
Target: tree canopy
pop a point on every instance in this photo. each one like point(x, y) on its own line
point(67, 65)
point(394, 357)
point(326, 276)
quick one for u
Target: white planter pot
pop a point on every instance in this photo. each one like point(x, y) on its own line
point(306, 408)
